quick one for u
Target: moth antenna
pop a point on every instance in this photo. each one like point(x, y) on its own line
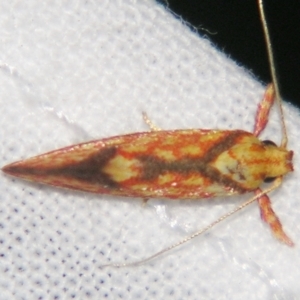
point(275, 184)
point(274, 77)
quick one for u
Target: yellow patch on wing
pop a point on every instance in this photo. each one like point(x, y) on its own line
point(190, 150)
point(120, 168)
point(167, 155)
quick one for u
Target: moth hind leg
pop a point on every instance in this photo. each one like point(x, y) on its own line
point(152, 126)
point(263, 110)
point(268, 215)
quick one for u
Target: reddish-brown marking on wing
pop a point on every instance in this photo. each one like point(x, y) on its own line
point(87, 170)
point(153, 167)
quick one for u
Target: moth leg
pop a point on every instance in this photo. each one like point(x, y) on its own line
point(145, 200)
point(263, 110)
point(149, 123)
point(268, 215)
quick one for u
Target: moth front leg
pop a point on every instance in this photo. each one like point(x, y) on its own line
point(268, 215)
point(263, 110)
point(152, 126)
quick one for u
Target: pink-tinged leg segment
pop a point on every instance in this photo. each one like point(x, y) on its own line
point(263, 110)
point(268, 215)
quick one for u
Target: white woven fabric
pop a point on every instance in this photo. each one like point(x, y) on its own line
point(79, 70)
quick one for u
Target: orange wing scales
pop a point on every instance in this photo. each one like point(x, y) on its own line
point(180, 164)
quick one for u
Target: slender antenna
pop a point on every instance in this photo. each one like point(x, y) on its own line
point(276, 183)
point(273, 70)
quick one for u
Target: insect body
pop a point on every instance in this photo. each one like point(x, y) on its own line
point(187, 164)
point(178, 164)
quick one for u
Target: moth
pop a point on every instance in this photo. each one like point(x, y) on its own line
point(175, 164)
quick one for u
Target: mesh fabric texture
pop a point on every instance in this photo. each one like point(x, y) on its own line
point(81, 70)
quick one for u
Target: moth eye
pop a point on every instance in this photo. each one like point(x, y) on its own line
point(269, 143)
point(269, 179)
